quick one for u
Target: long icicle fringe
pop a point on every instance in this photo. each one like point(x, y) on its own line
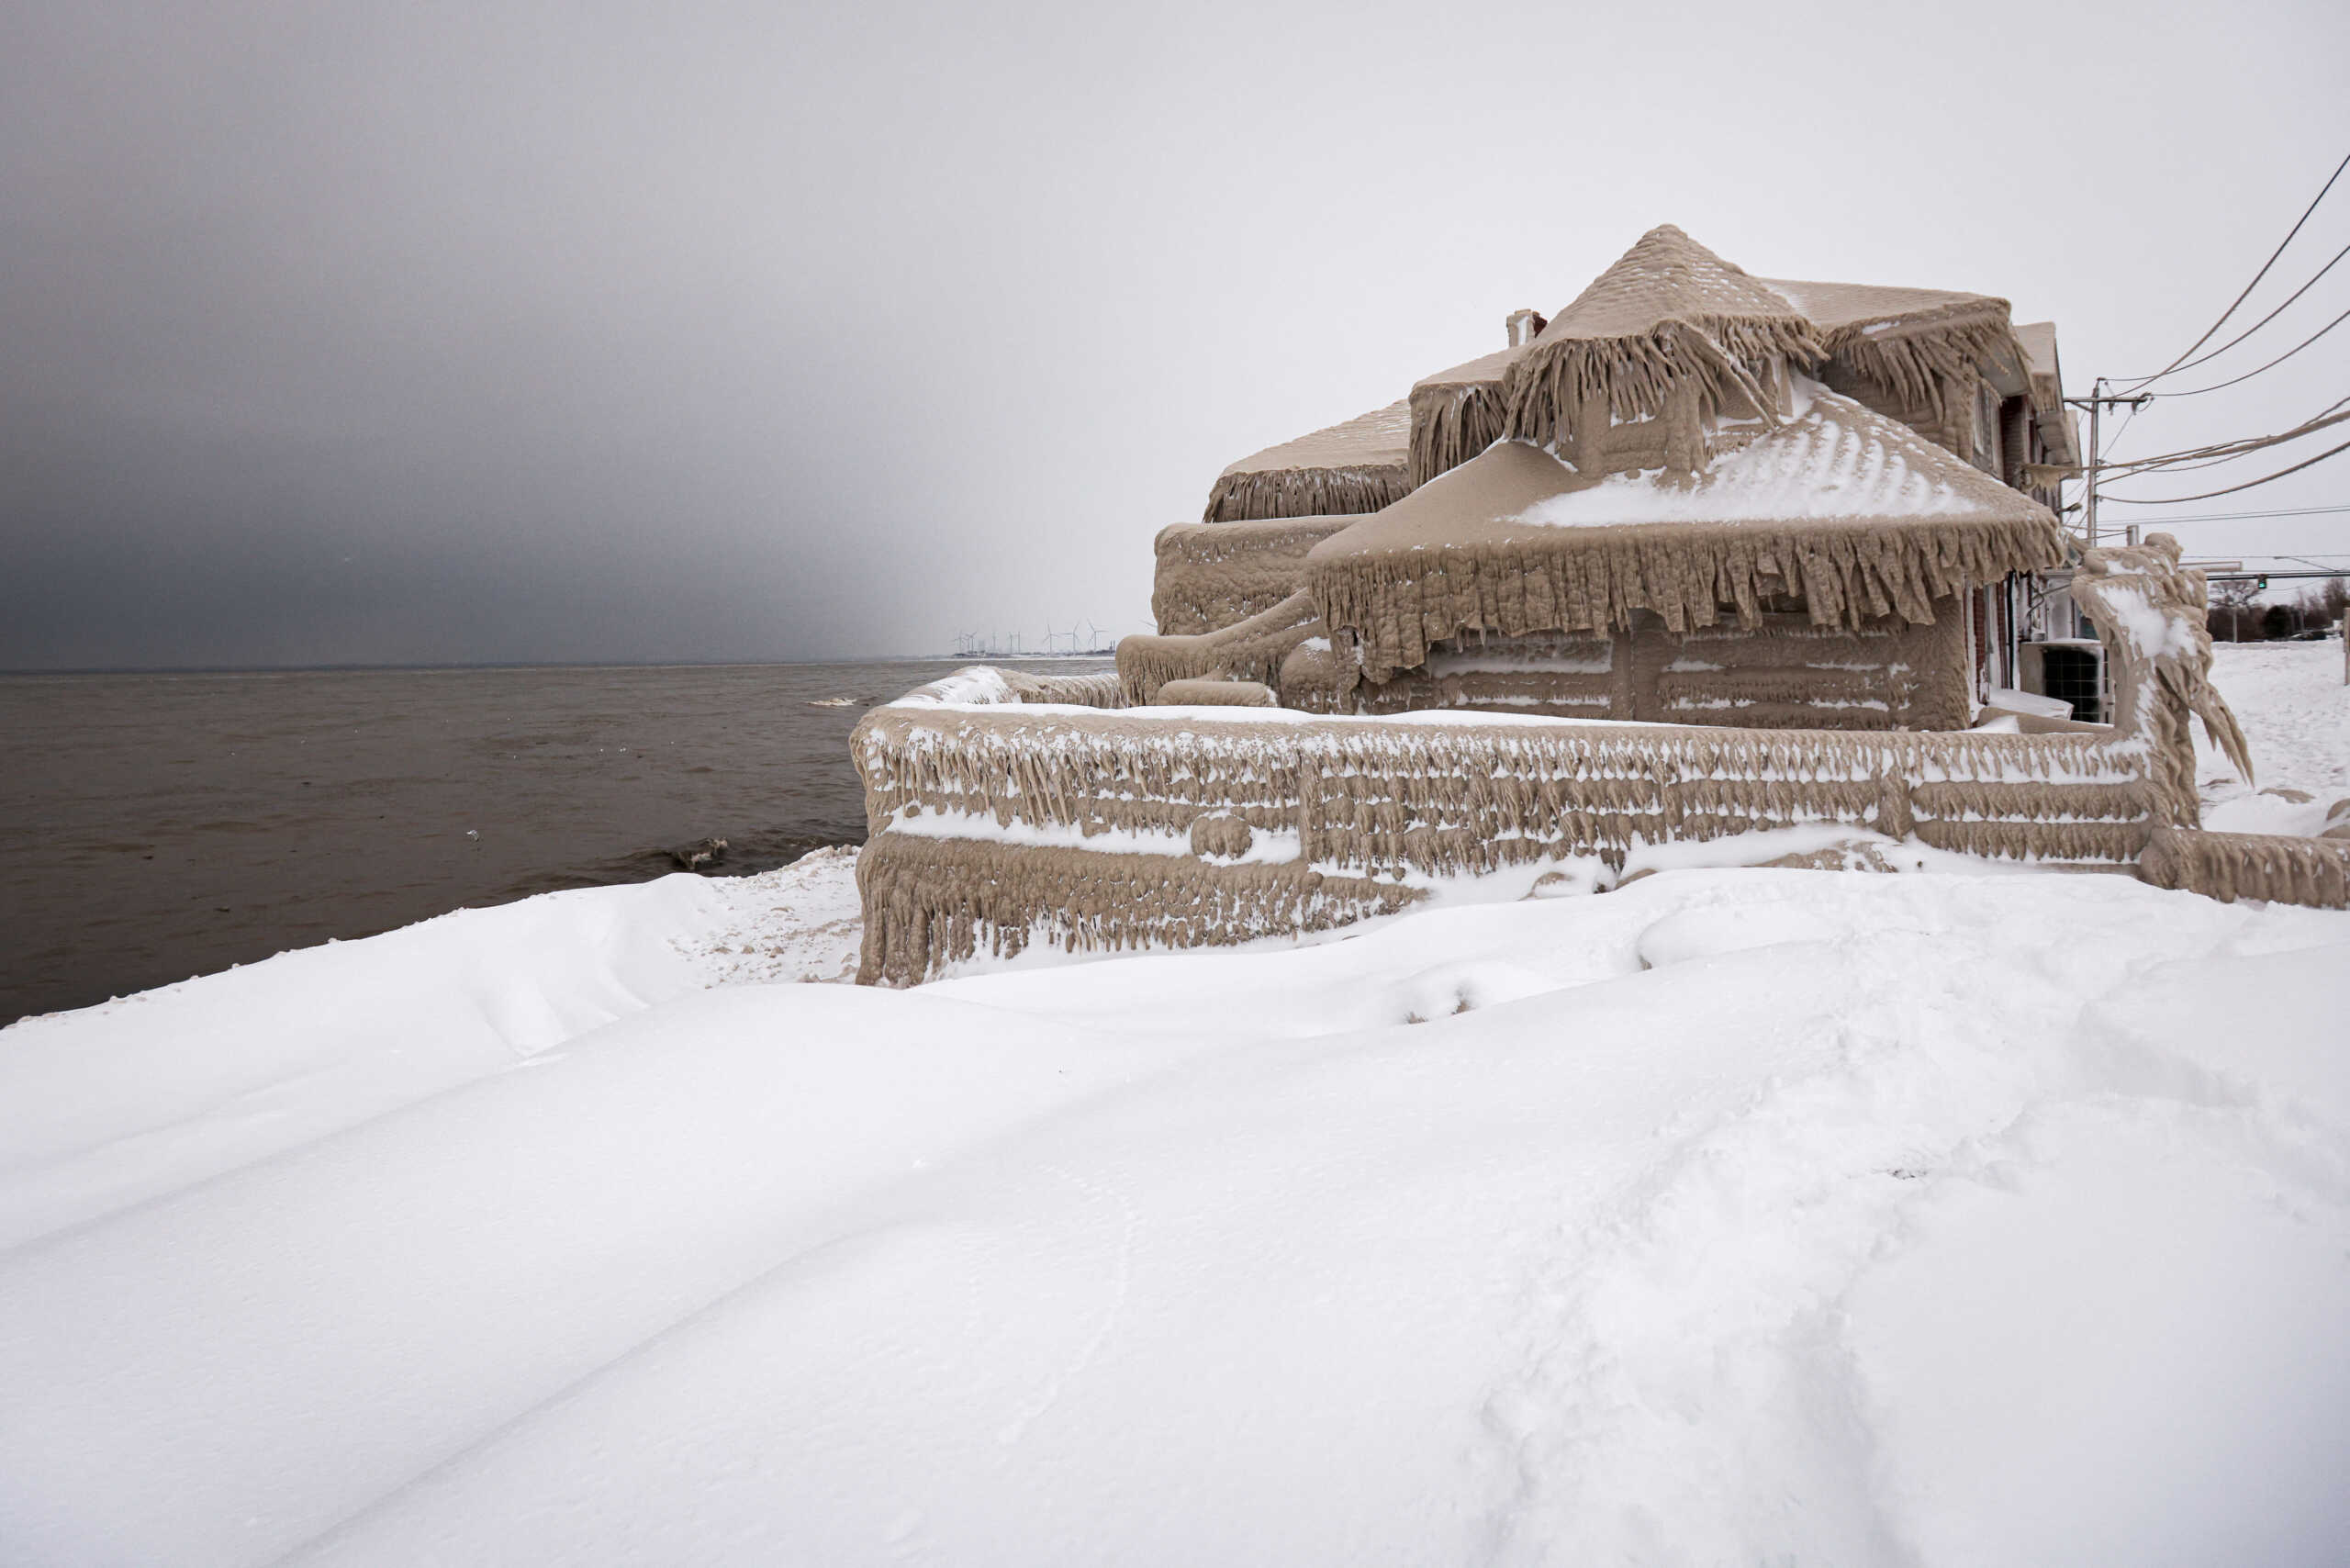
point(1452, 423)
point(1726, 359)
point(1687, 574)
point(1267, 493)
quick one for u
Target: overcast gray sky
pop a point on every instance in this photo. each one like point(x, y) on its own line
point(420, 332)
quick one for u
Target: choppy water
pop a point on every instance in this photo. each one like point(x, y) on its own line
point(156, 826)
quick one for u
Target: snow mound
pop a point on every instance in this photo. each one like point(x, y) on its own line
point(1712, 930)
point(800, 922)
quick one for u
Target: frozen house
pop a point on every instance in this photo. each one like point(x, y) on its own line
point(1703, 556)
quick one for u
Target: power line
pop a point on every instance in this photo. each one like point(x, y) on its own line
point(2189, 460)
point(2269, 566)
point(2222, 386)
point(2248, 332)
point(2214, 454)
point(2263, 273)
point(2232, 489)
point(2228, 451)
point(2241, 516)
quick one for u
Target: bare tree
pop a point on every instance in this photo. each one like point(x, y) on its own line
point(2322, 605)
point(2230, 600)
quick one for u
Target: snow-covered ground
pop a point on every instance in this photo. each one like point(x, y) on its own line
point(2295, 709)
point(1735, 1215)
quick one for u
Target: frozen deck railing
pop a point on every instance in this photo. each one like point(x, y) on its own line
point(1004, 809)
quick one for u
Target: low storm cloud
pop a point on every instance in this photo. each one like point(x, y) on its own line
point(535, 331)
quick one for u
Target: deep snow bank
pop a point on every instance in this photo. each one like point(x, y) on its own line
point(111, 1105)
point(1732, 1215)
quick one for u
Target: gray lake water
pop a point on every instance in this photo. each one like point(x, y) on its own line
point(157, 826)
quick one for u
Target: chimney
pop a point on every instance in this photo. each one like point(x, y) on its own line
point(1523, 327)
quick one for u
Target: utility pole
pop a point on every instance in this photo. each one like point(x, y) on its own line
point(2096, 402)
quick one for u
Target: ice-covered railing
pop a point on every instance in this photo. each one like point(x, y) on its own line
point(999, 815)
point(984, 684)
point(2151, 613)
point(1453, 793)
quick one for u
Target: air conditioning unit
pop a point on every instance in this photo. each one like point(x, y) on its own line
point(2071, 669)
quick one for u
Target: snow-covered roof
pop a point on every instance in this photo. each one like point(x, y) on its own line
point(1845, 507)
point(1835, 461)
point(1832, 461)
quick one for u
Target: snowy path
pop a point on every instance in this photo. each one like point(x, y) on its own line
point(1732, 1215)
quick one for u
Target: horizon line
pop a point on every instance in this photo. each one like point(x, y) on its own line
point(527, 664)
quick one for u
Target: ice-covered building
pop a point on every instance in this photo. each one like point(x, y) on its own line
point(1751, 555)
point(1693, 496)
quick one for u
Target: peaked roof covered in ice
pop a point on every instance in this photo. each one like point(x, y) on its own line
point(1372, 438)
point(1669, 314)
point(1484, 369)
point(1354, 467)
point(1684, 345)
point(2058, 425)
point(1667, 277)
point(1844, 508)
point(2038, 340)
point(1915, 342)
point(1870, 307)
point(1458, 413)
